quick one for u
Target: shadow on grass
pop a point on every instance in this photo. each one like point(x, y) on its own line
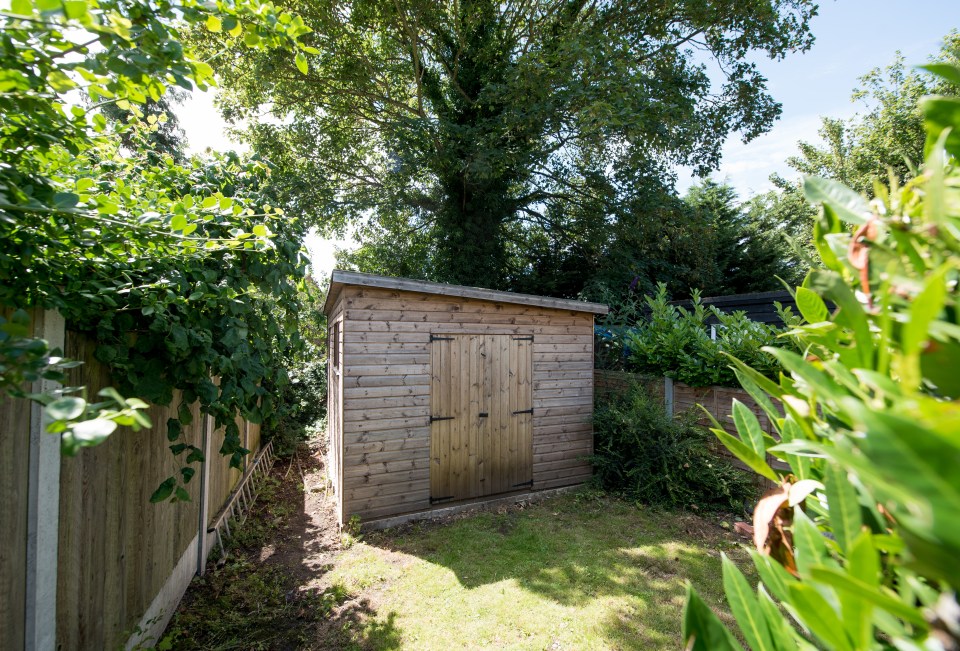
point(579, 549)
point(269, 592)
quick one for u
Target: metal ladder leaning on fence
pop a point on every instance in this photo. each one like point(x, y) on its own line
point(243, 496)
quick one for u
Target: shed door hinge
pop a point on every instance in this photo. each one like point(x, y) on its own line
point(524, 411)
point(528, 338)
point(526, 483)
point(435, 418)
point(438, 338)
point(434, 500)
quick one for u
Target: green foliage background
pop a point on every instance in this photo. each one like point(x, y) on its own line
point(649, 335)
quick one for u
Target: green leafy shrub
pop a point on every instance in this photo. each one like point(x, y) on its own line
point(675, 342)
point(303, 403)
point(858, 548)
point(302, 399)
point(648, 456)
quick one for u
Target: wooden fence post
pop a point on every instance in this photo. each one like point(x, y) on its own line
point(668, 395)
point(43, 507)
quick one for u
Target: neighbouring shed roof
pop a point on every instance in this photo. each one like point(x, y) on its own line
point(759, 306)
point(341, 278)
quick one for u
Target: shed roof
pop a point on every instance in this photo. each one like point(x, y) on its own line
point(341, 278)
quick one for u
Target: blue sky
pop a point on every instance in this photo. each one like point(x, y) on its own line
point(852, 37)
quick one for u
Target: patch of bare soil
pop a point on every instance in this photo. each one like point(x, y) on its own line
point(309, 537)
point(269, 592)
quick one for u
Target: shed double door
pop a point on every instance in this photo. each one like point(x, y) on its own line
point(481, 401)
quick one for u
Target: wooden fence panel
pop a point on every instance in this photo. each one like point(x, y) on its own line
point(14, 484)
point(717, 400)
point(116, 552)
point(116, 549)
point(14, 451)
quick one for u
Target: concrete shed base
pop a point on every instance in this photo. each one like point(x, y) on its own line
point(457, 509)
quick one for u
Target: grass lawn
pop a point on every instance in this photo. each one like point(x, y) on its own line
point(580, 571)
point(576, 572)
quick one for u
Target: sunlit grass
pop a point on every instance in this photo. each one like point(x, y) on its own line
point(577, 572)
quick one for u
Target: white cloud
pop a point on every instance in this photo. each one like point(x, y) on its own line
point(747, 167)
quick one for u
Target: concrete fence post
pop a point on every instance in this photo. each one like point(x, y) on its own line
point(203, 545)
point(668, 395)
point(43, 507)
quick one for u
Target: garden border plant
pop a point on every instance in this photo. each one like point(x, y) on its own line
point(645, 454)
point(657, 338)
point(857, 546)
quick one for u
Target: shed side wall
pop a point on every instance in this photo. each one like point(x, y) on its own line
point(386, 391)
point(335, 402)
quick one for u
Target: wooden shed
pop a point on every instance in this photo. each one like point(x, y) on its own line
point(442, 394)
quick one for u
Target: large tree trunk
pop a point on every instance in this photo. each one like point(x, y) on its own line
point(471, 247)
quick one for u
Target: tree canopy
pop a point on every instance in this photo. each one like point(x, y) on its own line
point(748, 249)
point(883, 144)
point(889, 137)
point(458, 130)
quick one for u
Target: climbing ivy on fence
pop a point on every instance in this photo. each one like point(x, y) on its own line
point(182, 271)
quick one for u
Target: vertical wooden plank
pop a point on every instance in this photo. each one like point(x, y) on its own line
point(493, 436)
point(70, 559)
point(14, 449)
point(472, 420)
point(455, 426)
point(486, 405)
point(441, 430)
point(114, 598)
point(435, 389)
point(465, 418)
point(506, 420)
point(510, 461)
point(525, 401)
point(95, 464)
point(446, 409)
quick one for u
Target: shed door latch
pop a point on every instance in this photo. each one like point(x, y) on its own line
point(435, 418)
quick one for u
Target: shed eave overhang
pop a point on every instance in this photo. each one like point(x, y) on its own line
point(341, 278)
